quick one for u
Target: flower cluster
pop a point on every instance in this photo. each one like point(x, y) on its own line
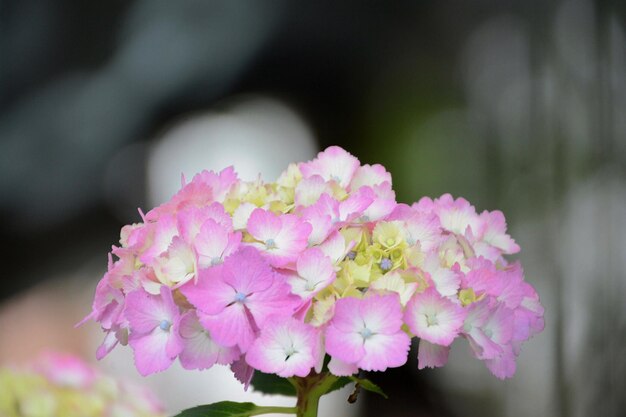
point(62, 385)
point(323, 261)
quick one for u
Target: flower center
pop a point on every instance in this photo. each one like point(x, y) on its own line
point(290, 351)
point(270, 244)
point(431, 320)
point(351, 255)
point(216, 261)
point(240, 297)
point(165, 325)
point(386, 264)
point(366, 333)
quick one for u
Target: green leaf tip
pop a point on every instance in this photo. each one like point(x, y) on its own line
point(233, 409)
point(368, 385)
point(272, 384)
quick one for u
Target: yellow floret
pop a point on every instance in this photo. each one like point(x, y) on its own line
point(389, 234)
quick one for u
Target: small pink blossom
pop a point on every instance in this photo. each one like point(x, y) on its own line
point(488, 329)
point(214, 243)
point(434, 318)
point(314, 272)
point(238, 296)
point(369, 175)
point(368, 333)
point(333, 164)
point(494, 232)
point(457, 215)
point(154, 334)
point(286, 347)
point(280, 238)
point(309, 190)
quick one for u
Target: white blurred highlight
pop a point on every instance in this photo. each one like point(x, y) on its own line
point(257, 135)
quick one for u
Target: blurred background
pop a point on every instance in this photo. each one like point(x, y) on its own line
point(514, 105)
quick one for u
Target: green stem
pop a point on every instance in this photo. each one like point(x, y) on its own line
point(310, 390)
point(274, 410)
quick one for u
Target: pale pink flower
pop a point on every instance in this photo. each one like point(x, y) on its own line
point(446, 280)
point(281, 238)
point(421, 228)
point(494, 232)
point(192, 194)
point(315, 272)
point(334, 164)
point(367, 332)
point(457, 215)
point(214, 243)
point(336, 247)
point(220, 184)
point(369, 175)
point(237, 296)
point(199, 350)
point(383, 202)
point(162, 232)
point(175, 266)
point(191, 220)
point(488, 329)
point(346, 211)
point(320, 221)
point(286, 347)
point(154, 334)
point(434, 318)
point(309, 190)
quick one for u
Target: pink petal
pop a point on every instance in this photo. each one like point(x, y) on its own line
point(231, 327)
point(369, 175)
point(264, 225)
point(346, 346)
point(384, 351)
point(210, 294)
point(381, 313)
point(199, 349)
point(434, 318)
point(243, 372)
point(153, 351)
point(286, 347)
point(430, 355)
point(334, 163)
point(341, 368)
point(144, 311)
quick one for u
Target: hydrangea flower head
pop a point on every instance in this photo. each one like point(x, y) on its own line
point(323, 262)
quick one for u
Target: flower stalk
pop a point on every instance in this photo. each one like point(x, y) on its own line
point(310, 389)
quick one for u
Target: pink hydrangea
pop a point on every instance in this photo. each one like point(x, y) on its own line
point(275, 276)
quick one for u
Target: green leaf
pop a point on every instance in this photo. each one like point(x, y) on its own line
point(368, 385)
point(339, 383)
point(233, 409)
point(272, 384)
